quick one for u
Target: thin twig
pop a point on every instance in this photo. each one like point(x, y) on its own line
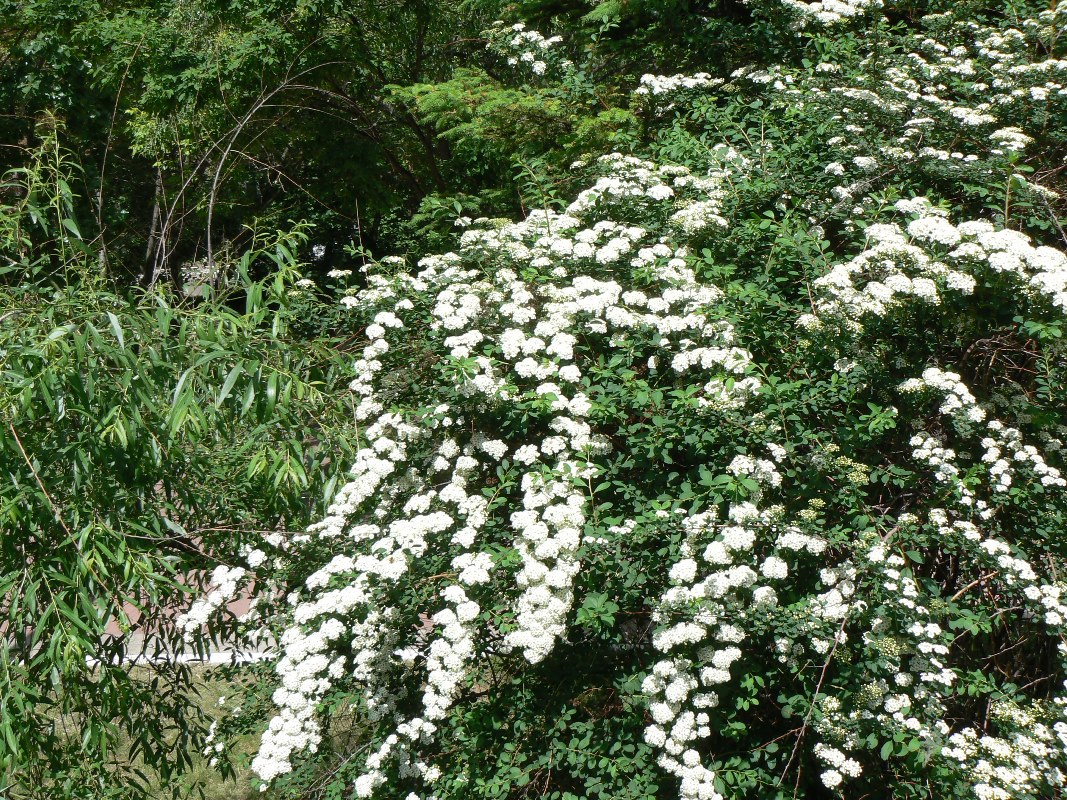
point(811, 708)
point(1052, 216)
point(971, 585)
point(107, 150)
point(55, 508)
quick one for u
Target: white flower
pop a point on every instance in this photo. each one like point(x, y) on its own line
point(255, 558)
point(684, 571)
point(831, 778)
point(774, 568)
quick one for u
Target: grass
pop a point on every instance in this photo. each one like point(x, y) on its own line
point(203, 780)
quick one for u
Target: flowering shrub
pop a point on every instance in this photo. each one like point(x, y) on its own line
point(734, 477)
point(518, 353)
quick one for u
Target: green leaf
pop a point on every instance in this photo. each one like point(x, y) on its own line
point(227, 385)
point(71, 226)
point(116, 328)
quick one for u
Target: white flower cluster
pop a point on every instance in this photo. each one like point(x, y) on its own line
point(705, 614)
point(1018, 80)
point(657, 85)
point(226, 581)
point(909, 697)
point(832, 12)
point(416, 486)
point(898, 266)
point(1024, 763)
point(1014, 572)
point(448, 655)
point(511, 321)
point(1009, 140)
point(935, 103)
point(906, 639)
point(912, 699)
point(526, 47)
point(304, 669)
point(549, 534)
point(1026, 760)
point(698, 215)
point(761, 470)
point(1004, 452)
point(630, 179)
point(905, 697)
point(840, 765)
